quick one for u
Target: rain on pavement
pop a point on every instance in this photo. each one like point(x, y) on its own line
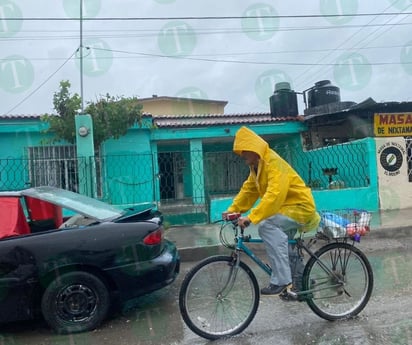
point(155, 319)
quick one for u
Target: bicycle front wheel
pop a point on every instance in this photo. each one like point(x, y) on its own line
point(339, 280)
point(218, 298)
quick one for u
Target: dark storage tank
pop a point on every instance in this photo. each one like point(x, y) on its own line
point(323, 93)
point(284, 101)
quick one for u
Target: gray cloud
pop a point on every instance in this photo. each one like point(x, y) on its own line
point(224, 62)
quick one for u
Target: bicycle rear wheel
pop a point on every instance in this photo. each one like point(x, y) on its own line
point(343, 294)
point(218, 298)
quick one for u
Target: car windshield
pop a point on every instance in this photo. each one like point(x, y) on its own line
point(79, 203)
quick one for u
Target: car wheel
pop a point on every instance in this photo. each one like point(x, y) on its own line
point(75, 302)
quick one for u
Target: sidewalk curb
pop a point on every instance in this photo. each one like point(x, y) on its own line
point(393, 236)
point(395, 232)
point(200, 253)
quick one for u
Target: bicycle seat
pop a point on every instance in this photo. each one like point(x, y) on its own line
point(312, 224)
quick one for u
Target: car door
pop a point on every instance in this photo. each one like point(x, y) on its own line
point(17, 264)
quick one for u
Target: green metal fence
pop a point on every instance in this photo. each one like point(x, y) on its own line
point(169, 179)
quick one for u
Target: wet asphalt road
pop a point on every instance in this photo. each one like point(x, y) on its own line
point(155, 319)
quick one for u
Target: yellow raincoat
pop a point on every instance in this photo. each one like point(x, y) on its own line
point(280, 189)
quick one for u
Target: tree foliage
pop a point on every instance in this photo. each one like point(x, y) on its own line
point(112, 116)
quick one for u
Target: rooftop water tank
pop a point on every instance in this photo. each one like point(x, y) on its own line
point(284, 101)
point(323, 93)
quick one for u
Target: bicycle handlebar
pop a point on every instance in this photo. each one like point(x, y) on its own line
point(233, 217)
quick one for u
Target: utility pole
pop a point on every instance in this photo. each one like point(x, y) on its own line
point(84, 135)
point(81, 55)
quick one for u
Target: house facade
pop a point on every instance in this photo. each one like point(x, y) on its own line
point(184, 163)
point(390, 126)
point(159, 105)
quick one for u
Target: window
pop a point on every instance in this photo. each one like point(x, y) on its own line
point(225, 172)
point(53, 166)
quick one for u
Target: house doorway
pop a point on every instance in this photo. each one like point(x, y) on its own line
point(171, 166)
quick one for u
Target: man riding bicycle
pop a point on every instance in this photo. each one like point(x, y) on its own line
point(284, 204)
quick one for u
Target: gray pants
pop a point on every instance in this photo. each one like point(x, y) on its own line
point(275, 232)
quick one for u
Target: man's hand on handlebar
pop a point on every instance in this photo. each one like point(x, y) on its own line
point(243, 222)
point(231, 216)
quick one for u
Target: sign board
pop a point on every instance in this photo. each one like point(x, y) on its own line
point(392, 124)
point(395, 190)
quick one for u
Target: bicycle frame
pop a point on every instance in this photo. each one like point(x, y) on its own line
point(336, 284)
point(240, 246)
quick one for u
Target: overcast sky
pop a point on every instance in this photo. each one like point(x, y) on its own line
point(229, 50)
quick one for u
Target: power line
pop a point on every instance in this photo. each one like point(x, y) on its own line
point(41, 85)
point(228, 54)
point(229, 29)
point(152, 33)
point(219, 31)
point(342, 44)
point(235, 61)
point(371, 39)
point(245, 62)
point(332, 15)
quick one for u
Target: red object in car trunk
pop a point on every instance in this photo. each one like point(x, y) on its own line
point(42, 210)
point(12, 219)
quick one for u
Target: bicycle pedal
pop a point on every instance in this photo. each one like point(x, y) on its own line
point(289, 296)
point(291, 293)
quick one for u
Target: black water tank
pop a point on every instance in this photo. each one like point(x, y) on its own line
point(323, 93)
point(284, 101)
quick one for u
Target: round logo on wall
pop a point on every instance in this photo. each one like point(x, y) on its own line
point(391, 159)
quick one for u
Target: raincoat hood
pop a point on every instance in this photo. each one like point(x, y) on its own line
point(247, 140)
point(273, 188)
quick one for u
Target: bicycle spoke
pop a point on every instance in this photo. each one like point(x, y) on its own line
point(343, 281)
point(219, 299)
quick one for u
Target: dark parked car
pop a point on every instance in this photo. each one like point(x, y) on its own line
point(73, 258)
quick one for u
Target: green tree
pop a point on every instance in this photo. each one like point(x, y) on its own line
point(112, 116)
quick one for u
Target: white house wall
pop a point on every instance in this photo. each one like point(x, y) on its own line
point(395, 190)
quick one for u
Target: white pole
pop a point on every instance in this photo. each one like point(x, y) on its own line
point(81, 54)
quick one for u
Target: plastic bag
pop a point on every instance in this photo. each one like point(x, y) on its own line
point(345, 223)
point(333, 225)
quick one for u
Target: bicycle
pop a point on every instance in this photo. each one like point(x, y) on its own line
point(219, 296)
